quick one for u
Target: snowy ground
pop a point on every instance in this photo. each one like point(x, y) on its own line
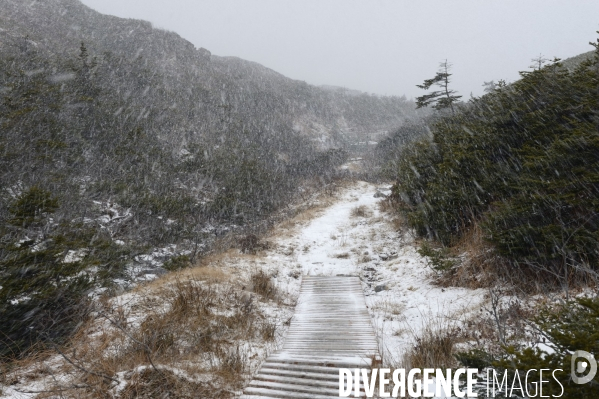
point(353, 237)
point(344, 234)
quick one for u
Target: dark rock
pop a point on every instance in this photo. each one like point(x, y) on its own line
point(295, 274)
point(380, 288)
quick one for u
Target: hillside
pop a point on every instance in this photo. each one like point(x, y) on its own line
point(126, 152)
point(504, 194)
point(572, 62)
point(193, 89)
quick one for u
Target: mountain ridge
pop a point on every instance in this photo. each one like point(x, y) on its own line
point(61, 25)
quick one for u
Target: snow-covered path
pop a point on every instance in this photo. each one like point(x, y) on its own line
point(352, 236)
point(327, 240)
point(344, 234)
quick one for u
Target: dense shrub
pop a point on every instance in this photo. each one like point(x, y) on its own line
point(388, 152)
point(45, 280)
point(524, 159)
point(573, 326)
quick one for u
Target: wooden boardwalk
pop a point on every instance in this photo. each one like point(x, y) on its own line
point(331, 329)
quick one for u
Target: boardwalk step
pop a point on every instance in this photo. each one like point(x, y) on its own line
point(331, 329)
point(252, 393)
point(303, 388)
point(267, 377)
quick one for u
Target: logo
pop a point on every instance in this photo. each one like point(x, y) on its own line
point(580, 364)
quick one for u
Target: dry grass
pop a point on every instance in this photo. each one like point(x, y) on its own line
point(197, 327)
point(341, 239)
point(205, 271)
point(28, 369)
point(361, 211)
point(262, 285)
point(302, 215)
point(434, 345)
point(390, 308)
point(388, 207)
point(477, 270)
point(342, 255)
point(482, 267)
point(252, 244)
point(307, 212)
point(151, 384)
point(365, 259)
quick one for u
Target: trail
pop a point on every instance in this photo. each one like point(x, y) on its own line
point(331, 329)
point(351, 236)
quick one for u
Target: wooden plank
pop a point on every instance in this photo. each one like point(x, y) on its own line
point(330, 329)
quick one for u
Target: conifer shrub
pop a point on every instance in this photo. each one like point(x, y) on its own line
point(569, 327)
point(177, 262)
point(31, 205)
point(388, 152)
point(438, 258)
point(524, 161)
point(475, 358)
point(45, 280)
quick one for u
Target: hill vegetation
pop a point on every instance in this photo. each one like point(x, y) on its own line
point(521, 163)
point(505, 193)
point(119, 140)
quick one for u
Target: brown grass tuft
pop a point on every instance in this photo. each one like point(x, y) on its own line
point(388, 207)
point(434, 346)
point(262, 285)
point(342, 255)
point(361, 211)
point(152, 384)
point(482, 267)
point(233, 364)
point(251, 244)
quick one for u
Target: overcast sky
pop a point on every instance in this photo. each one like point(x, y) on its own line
point(378, 46)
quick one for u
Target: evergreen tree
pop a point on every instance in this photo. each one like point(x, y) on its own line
point(595, 44)
point(538, 62)
point(441, 99)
